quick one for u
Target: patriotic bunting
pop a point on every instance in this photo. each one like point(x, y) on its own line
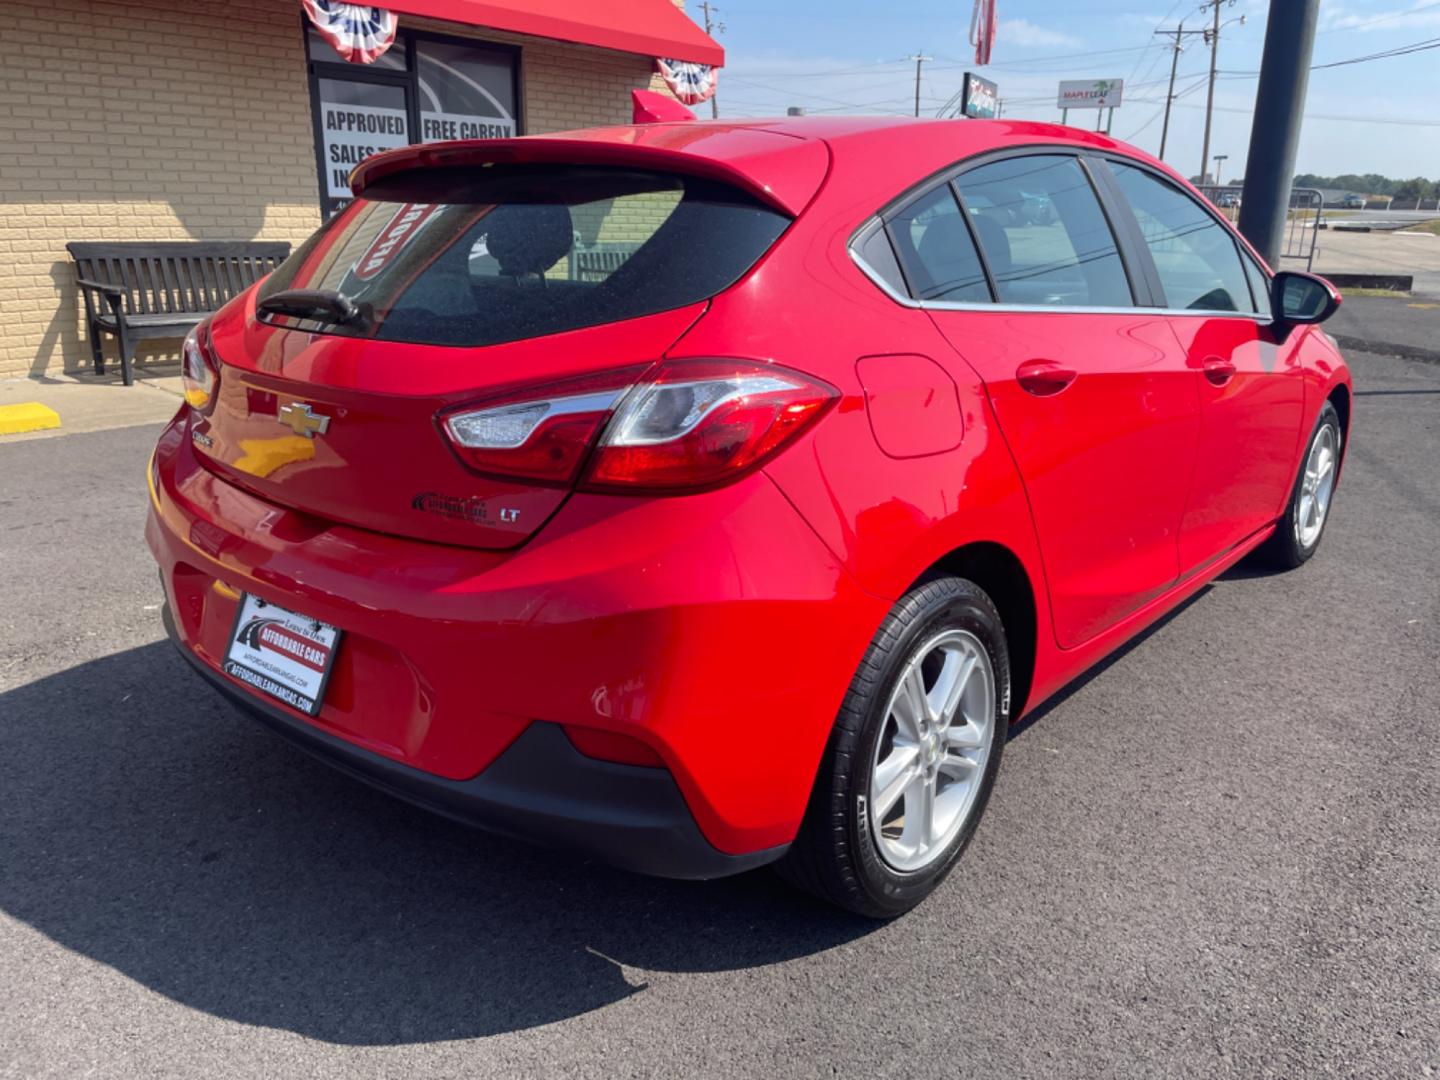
point(691, 83)
point(359, 33)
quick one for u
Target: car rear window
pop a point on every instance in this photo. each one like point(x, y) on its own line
point(483, 255)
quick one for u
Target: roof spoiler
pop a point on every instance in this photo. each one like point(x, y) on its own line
point(648, 107)
point(779, 170)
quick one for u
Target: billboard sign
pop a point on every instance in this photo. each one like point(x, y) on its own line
point(1090, 93)
point(979, 98)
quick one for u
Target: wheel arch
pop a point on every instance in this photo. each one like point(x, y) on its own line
point(1339, 396)
point(1001, 573)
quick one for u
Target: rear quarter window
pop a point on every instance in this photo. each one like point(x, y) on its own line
point(484, 255)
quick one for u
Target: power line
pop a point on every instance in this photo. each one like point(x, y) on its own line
point(1399, 50)
point(1312, 116)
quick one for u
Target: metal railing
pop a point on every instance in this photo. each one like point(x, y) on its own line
point(1302, 220)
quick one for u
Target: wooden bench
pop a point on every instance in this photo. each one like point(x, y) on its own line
point(597, 265)
point(141, 290)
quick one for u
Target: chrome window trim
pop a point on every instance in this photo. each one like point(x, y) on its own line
point(1039, 309)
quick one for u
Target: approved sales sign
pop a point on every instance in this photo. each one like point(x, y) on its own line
point(1090, 93)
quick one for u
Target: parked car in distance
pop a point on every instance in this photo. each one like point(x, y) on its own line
point(750, 544)
point(1230, 200)
point(1353, 202)
point(1036, 209)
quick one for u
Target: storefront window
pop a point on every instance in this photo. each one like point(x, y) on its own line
point(357, 119)
point(425, 86)
point(464, 93)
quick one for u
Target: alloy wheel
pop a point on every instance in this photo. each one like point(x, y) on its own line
point(930, 758)
point(1316, 487)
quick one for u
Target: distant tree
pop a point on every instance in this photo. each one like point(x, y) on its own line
point(1366, 184)
point(1416, 188)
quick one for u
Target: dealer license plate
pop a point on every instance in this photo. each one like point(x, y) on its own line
point(282, 653)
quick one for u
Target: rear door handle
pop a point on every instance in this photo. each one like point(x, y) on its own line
point(1219, 371)
point(1044, 377)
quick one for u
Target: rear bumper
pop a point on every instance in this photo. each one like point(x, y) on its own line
point(716, 629)
point(540, 789)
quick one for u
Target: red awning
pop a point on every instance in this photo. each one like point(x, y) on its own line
point(647, 27)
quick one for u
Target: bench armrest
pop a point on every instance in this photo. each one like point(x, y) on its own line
point(110, 291)
point(114, 295)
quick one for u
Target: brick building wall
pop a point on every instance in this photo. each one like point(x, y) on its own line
point(137, 120)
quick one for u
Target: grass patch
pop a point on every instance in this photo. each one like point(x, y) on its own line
point(1394, 293)
point(1431, 227)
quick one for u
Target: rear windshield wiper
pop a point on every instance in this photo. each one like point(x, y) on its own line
point(321, 305)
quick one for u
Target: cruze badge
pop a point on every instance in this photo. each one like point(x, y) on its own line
point(303, 420)
point(461, 508)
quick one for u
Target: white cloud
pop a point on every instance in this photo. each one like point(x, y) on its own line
point(1023, 32)
point(1423, 13)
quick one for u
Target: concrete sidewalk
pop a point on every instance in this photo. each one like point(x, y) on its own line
point(94, 404)
point(1390, 326)
point(1415, 254)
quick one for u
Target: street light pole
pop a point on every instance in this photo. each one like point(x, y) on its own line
point(1218, 159)
point(1275, 132)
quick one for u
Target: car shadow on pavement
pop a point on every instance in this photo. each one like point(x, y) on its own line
point(147, 825)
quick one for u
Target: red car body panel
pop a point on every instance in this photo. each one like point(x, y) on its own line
point(703, 625)
point(1132, 412)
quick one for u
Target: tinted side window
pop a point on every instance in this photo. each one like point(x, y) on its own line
point(875, 249)
point(1259, 285)
point(936, 250)
point(1045, 237)
point(1196, 257)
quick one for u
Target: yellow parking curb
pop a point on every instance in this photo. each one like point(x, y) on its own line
point(27, 416)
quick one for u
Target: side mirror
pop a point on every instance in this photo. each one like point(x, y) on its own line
point(1298, 299)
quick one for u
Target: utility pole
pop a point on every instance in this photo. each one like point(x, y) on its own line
point(1275, 133)
point(712, 27)
point(1218, 159)
point(1179, 34)
point(918, 61)
point(1213, 37)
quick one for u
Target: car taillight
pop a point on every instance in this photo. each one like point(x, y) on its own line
point(685, 425)
point(701, 423)
point(541, 434)
point(199, 370)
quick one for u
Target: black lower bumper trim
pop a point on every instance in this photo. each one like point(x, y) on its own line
point(540, 789)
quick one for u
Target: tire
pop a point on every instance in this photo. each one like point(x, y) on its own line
point(843, 854)
point(1293, 543)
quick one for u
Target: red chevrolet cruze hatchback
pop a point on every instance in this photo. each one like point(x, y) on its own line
point(706, 495)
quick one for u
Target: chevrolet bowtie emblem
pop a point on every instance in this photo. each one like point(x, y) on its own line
point(303, 420)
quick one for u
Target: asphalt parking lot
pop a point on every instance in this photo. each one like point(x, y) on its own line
point(1217, 856)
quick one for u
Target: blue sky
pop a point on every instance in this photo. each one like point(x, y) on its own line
point(845, 56)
